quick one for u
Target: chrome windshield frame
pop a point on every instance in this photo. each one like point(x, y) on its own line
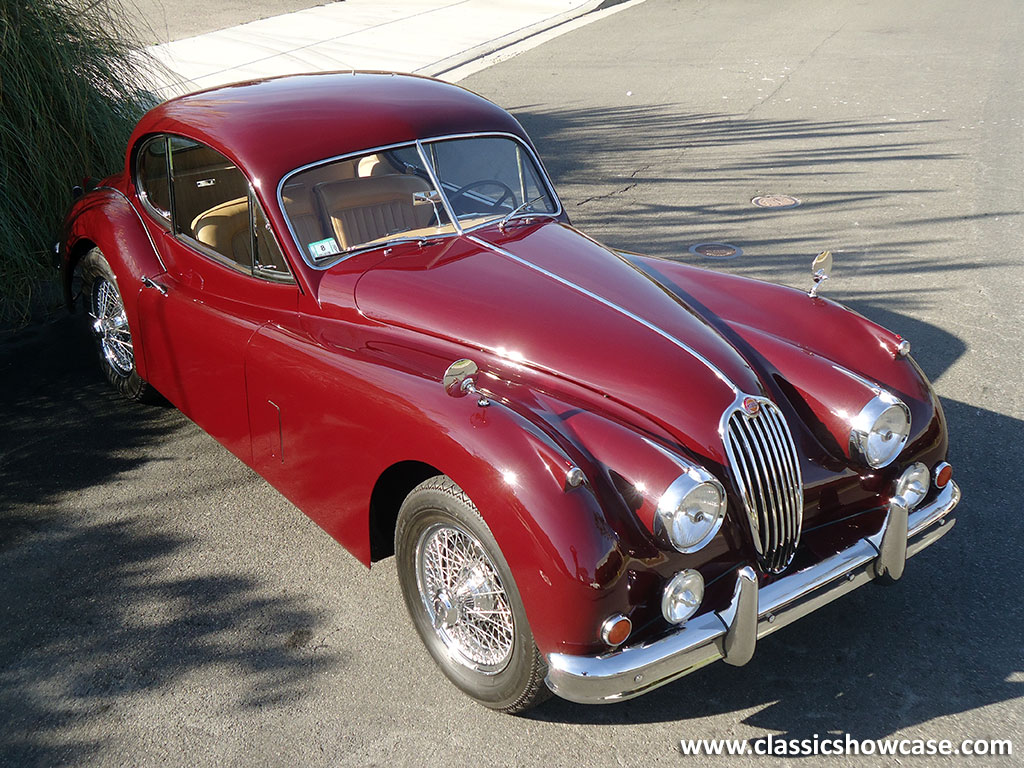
point(436, 181)
point(419, 145)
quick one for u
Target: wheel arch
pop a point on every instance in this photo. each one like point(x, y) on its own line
point(74, 257)
point(391, 489)
point(567, 561)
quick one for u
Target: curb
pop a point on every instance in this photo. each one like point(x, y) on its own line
point(439, 68)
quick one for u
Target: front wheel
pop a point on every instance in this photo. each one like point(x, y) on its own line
point(462, 598)
point(110, 328)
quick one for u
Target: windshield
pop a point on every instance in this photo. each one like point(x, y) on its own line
point(488, 177)
point(341, 206)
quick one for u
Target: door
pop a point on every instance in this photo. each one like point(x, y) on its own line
point(226, 277)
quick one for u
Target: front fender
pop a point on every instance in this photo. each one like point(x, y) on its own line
point(568, 561)
point(333, 409)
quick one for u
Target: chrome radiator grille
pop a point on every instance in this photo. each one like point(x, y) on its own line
point(766, 470)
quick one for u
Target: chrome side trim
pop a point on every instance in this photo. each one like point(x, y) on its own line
point(611, 305)
point(731, 634)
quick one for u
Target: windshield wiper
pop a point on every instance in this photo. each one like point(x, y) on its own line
point(519, 209)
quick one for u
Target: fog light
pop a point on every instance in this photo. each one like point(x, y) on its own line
point(616, 629)
point(943, 474)
point(682, 597)
point(913, 484)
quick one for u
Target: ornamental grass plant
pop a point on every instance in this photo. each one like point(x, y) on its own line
point(73, 82)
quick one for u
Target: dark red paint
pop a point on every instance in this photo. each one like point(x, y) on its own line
point(323, 385)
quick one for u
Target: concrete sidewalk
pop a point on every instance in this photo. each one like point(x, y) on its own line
point(431, 37)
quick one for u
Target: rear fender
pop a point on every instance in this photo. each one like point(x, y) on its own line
point(104, 218)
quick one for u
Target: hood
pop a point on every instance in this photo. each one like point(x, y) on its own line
point(548, 298)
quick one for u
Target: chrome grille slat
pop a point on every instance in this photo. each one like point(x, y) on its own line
point(790, 464)
point(744, 484)
point(769, 505)
point(768, 459)
point(782, 479)
point(766, 473)
point(759, 507)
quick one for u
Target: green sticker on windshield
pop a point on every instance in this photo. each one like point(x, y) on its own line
point(321, 249)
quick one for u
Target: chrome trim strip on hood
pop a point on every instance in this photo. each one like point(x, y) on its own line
point(613, 306)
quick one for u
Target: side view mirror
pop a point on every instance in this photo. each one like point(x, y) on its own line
point(821, 269)
point(458, 381)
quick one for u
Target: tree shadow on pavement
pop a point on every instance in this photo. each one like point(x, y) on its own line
point(99, 601)
point(946, 638)
point(657, 179)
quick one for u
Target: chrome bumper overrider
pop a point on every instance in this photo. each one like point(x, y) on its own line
point(752, 613)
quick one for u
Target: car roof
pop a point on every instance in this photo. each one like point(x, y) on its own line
point(271, 127)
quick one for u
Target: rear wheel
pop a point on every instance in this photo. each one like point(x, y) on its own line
point(109, 325)
point(463, 600)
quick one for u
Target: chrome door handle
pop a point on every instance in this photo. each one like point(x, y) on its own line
point(151, 284)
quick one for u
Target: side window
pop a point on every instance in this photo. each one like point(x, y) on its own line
point(151, 177)
point(211, 201)
point(269, 261)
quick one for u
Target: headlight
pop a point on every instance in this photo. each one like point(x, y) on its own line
point(682, 596)
point(880, 430)
point(691, 511)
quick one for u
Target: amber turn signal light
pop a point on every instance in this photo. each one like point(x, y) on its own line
point(616, 629)
point(943, 474)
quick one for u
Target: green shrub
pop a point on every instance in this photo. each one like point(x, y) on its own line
point(73, 83)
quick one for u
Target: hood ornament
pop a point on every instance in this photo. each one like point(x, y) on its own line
point(821, 267)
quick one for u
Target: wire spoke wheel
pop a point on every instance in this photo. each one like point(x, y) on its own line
point(464, 598)
point(110, 324)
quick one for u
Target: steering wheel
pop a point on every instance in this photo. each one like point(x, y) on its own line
point(506, 193)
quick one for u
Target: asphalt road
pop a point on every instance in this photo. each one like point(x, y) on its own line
point(161, 605)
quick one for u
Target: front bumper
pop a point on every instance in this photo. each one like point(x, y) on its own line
point(752, 613)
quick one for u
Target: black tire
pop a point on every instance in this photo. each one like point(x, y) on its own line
point(113, 337)
point(505, 671)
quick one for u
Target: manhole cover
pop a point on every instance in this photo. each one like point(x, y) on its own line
point(775, 201)
point(716, 250)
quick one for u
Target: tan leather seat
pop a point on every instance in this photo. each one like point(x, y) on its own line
point(225, 229)
point(365, 209)
point(372, 165)
point(305, 219)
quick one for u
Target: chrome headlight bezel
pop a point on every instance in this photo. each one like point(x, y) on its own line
point(672, 504)
point(863, 428)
